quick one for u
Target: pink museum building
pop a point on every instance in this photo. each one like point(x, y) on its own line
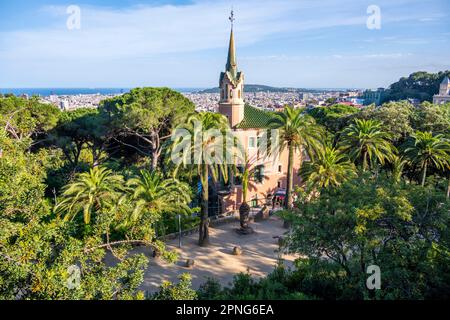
point(249, 124)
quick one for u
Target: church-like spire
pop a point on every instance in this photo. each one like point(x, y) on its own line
point(231, 85)
point(231, 61)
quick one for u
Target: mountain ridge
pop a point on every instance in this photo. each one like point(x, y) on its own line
point(262, 88)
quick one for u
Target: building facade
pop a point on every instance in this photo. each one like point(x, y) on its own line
point(250, 124)
point(373, 96)
point(444, 92)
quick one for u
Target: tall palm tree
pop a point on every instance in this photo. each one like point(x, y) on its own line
point(297, 132)
point(426, 150)
point(197, 124)
point(365, 142)
point(249, 171)
point(448, 185)
point(154, 195)
point(90, 192)
point(398, 165)
point(330, 168)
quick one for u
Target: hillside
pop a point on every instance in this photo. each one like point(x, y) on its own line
point(262, 88)
point(418, 85)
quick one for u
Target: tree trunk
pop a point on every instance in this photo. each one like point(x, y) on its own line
point(448, 187)
point(154, 164)
point(96, 152)
point(424, 175)
point(290, 174)
point(244, 182)
point(362, 259)
point(204, 218)
point(365, 162)
point(155, 147)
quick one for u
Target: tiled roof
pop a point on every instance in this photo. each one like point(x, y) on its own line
point(255, 118)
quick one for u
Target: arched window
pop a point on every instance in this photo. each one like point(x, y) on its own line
point(231, 94)
point(221, 94)
point(239, 94)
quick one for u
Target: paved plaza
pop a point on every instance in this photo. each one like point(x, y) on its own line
point(259, 255)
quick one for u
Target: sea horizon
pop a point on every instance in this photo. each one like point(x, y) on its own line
point(76, 91)
point(44, 92)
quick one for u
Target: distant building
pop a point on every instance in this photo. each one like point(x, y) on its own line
point(64, 105)
point(305, 96)
point(444, 92)
point(374, 96)
point(352, 93)
point(354, 102)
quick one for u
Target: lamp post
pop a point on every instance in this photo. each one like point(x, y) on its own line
point(179, 230)
point(54, 195)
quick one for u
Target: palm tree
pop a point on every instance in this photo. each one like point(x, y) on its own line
point(297, 131)
point(90, 192)
point(448, 185)
point(330, 168)
point(398, 165)
point(197, 124)
point(244, 209)
point(248, 172)
point(427, 150)
point(154, 195)
point(366, 142)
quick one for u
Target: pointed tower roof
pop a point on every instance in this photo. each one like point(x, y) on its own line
point(231, 65)
point(446, 80)
point(231, 70)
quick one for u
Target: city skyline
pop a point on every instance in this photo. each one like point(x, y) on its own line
point(182, 44)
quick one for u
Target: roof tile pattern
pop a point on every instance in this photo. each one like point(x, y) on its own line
point(255, 118)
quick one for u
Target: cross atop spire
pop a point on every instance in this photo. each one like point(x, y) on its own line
point(231, 18)
point(231, 85)
point(231, 65)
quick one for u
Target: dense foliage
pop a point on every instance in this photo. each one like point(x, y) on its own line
point(334, 117)
point(370, 200)
point(143, 118)
point(68, 222)
point(79, 189)
point(369, 220)
point(37, 250)
point(367, 201)
point(419, 85)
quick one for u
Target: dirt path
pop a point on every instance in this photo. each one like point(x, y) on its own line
point(259, 255)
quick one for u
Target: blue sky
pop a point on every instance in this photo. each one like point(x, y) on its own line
point(298, 43)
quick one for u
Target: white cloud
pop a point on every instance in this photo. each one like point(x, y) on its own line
point(146, 30)
point(327, 57)
point(386, 55)
point(155, 43)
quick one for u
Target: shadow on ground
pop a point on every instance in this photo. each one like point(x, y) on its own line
point(259, 255)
